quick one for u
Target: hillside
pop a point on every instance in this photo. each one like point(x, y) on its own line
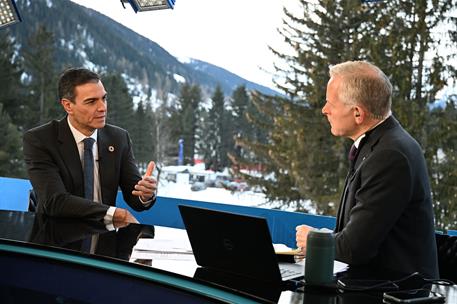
point(84, 37)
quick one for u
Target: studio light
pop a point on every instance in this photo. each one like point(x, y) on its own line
point(149, 5)
point(8, 13)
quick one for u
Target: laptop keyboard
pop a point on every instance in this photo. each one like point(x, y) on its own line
point(289, 272)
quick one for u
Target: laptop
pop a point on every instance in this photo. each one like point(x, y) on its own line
point(235, 243)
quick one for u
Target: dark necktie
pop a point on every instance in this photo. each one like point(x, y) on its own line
point(352, 153)
point(341, 210)
point(88, 168)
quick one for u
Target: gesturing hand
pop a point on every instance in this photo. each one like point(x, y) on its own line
point(147, 186)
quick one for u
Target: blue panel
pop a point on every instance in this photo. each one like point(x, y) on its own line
point(14, 194)
point(282, 223)
point(452, 232)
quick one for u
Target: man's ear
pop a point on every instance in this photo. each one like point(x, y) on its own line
point(359, 114)
point(67, 105)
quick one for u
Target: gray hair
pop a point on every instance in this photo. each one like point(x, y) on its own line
point(364, 84)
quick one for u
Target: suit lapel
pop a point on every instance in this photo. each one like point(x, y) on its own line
point(106, 163)
point(70, 155)
point(371, 140)
point(340, 213)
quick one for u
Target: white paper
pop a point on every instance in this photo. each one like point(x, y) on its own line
point(339, 266)
point(281, 247)
point(152, 255)
point(163, 246)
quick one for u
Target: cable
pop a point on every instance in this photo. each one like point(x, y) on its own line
point(443, 282)
point(415, 279)
point(380, 286)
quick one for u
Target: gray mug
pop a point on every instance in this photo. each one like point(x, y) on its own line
point(320, 254)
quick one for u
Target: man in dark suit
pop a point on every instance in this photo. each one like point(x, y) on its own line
point(385, 222)
point(55, 157)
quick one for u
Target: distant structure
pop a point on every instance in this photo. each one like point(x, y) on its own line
point(180, 152)
point(149, 5)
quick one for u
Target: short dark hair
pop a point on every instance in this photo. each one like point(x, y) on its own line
point(72, 77)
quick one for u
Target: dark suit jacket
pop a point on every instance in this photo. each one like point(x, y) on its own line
point(385, 219)
point(70, 234)
point(56, 173)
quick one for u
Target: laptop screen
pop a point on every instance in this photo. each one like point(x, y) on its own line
point(231, 242)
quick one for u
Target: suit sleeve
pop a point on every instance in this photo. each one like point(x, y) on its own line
point(129, 177)
point(384, 192)
point(54, 199)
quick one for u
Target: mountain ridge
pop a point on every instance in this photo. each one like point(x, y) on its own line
point(85, 37)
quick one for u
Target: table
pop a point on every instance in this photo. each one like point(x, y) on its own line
point(47, 260)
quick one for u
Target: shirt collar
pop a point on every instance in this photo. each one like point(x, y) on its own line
point(359, 139)
point(78, 135)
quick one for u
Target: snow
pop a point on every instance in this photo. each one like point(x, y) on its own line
point(183, 59)
point(217, 195)
point(179, 78)
point(181, 189)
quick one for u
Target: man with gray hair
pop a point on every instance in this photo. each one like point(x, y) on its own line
point(385, 221)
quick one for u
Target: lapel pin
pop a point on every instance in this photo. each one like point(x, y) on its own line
point(111, 148)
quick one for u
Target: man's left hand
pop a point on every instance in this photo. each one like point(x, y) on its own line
point(147, 186)
point(302, 237)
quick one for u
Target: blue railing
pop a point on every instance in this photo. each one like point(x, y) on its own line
point(14, 196)
point(281, 223)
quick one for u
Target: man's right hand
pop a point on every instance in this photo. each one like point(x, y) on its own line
point(122, 218)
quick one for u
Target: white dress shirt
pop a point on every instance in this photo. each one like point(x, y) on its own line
point(79, 137)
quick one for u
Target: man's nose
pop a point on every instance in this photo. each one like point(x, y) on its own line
point(324, 109)
point(101, 106)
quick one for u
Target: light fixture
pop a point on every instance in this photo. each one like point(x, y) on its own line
point(149, 5)
point(8, 13)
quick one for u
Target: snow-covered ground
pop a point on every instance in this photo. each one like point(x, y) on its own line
point(210, 194)
point(181, 188)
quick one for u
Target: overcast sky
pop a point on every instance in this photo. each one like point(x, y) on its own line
point(232, 34)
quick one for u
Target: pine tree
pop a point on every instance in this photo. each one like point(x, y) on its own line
point(42, 78)
point(213, 141)
point(241, 127)
point(10, 82)
point(418, 71)
point(300, 149)
point(142, 135)
point(442, 155)
point(395, 35)
point(11, 161)
point(165, 145)
point(188, 117)
point(277, 182)
point(120, 103)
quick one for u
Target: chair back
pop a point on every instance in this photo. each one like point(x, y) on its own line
point(447, 256)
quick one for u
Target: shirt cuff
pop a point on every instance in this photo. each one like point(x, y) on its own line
point(108, 218)
point(148, 202)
